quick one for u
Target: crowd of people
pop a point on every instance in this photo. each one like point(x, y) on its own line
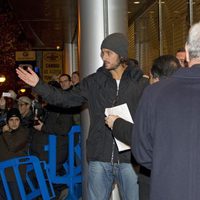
point(27, 122)
point(162, 138)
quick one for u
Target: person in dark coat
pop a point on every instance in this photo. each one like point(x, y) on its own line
point(166, 136)
point(57, 121)
point(113, 84)
point(13, 143)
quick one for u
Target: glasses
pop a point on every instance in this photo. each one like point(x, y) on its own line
point(63, 81)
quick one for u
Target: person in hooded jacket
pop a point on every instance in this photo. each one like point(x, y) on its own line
point(116, 82)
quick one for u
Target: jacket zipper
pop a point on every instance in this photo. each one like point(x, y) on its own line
point(113, 144)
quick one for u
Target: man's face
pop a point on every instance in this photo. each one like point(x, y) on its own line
point(110, 58)
point(75, 79)
point(24, 108)
point(65, 83)
point(181, 56)
point(14, 123)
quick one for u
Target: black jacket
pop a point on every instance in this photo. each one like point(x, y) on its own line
point(14, 144)
point(57, 121)
point(99, 90)
point(166, 135)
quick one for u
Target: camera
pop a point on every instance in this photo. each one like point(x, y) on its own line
point(25, 66)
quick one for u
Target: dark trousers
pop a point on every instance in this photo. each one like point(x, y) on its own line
point(144, 183)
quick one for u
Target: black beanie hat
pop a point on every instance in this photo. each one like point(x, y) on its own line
point(13, 112)
point(116, 42)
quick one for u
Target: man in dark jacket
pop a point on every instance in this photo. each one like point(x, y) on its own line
point(57, 121)
point(113, 84)
point(166, 135)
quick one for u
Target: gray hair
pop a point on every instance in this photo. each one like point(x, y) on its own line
point(193, 41)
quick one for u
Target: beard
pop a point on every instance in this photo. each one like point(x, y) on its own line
point(111, 67)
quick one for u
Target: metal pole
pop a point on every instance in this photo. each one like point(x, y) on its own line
point(105, 14)
point(191, 11)
point(160, 27)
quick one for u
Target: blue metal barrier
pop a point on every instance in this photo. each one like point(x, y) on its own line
point(46, 172)
point(33, 163)
point(73, 177)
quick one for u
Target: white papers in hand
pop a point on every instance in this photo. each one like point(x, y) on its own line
point(123, 112)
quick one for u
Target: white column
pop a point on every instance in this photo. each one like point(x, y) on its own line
point(67, 58)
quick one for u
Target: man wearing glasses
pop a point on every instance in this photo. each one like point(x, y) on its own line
point(65, 81)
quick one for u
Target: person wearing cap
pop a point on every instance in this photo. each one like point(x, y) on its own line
point(14, 134)
point(13, 143)
point(115, 83)
point(24, 105)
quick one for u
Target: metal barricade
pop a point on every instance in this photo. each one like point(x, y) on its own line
point(73, 177)
point(30, 163)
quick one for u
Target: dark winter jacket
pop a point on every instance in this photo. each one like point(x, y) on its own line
point(57, 122)
point(99, 90)
point(14, 144)
point(166, 135)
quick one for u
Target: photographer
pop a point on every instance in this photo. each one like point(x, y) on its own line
point(57, 121)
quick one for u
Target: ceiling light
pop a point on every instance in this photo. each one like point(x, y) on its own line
point(136, 2)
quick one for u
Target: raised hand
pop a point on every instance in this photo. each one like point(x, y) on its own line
point(28, 76)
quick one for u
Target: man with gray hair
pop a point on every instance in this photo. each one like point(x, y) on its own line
point(166, 135)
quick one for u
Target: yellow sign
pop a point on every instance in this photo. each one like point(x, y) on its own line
point(52, 64)
point(25, 56)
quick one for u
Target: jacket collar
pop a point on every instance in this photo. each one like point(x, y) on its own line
point(131, 71)
point(186, 72)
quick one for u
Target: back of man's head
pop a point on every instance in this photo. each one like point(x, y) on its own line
point(164, 66)
point(193, 44)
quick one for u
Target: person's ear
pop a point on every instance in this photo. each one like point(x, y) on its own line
point(187, 53)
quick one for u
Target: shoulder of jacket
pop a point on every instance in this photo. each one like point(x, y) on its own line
point(98, 77)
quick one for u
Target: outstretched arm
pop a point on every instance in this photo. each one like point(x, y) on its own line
point(29, 76)
point(51, 94)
